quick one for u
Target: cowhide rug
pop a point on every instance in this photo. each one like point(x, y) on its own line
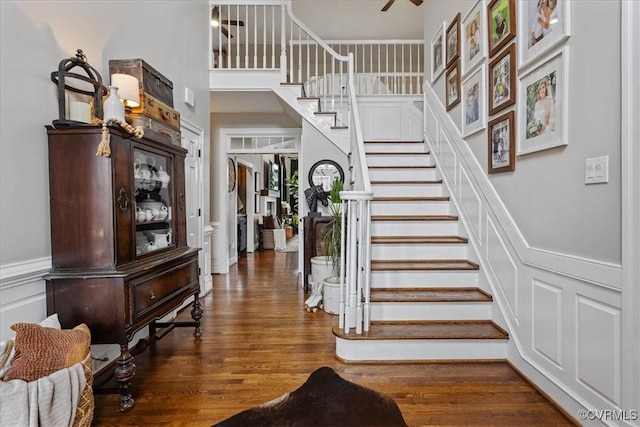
point(325, 399)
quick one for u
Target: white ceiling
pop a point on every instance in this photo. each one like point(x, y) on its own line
point(334, 20)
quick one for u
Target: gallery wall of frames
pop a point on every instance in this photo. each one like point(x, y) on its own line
point(507, 70)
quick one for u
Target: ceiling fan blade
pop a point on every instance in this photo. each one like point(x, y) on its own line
point(416, 2)
point(387, 6)
point(233, 22)
point(226, 33)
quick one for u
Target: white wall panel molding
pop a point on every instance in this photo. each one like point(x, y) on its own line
point(547, 321)
point(22, 293)
point(390, 118)
point(20, 273)
point(597, 353)
point(503, 268)
point(592, 271)
point(536, 290)
point(471, 203)
point(449, 162)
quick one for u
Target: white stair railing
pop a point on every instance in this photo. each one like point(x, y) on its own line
point(271, 38)
point(356, 229)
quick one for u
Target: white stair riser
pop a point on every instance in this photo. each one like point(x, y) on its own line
point(407, 190)
point(296, 90)
point(410, 208)
point(329, 119)
point(430, 311)
point(392, 160)
point(419, 251)
point(394, 147)
point(424, 279)
point(400, 174)
point(414, 228)
point(309, 106)
point(481, 349)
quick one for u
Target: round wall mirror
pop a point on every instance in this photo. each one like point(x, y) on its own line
point(324, 172)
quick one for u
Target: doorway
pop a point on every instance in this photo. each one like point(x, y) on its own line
point(257, 154)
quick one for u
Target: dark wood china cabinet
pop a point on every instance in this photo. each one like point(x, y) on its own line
point(118, 238)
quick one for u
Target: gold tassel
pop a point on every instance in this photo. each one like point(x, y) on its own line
point(104, 148)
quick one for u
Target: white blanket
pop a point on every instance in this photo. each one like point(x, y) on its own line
point(48, 401)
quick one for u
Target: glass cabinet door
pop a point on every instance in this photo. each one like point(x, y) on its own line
point(154, 225)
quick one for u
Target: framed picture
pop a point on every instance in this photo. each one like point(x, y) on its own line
point(473, 37)
point(501, 136)
point(437, 53)
point(501, 20)
point(543, 24)
point(502, 80)
point(453, 86)
point(453, 41)
point(473, 102)
point(542, 112)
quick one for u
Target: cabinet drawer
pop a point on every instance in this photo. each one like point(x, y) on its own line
point(156, 292)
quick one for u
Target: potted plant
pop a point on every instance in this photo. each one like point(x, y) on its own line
point(326, 268)
point(332, 243)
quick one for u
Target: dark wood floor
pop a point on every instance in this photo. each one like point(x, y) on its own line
point(259, 343)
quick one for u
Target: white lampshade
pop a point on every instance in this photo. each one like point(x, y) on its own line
point(128, 89)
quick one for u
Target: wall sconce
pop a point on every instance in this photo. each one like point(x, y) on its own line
point(79, 95)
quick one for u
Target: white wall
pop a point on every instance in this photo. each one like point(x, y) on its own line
point(550, 246)
point(35, 37)
point(546, 194)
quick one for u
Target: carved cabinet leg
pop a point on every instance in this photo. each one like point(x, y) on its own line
point(124, 373)
point(196, 315)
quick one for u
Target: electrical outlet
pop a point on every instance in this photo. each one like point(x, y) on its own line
point(596, 170)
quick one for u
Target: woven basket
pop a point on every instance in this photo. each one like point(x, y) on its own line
point(86, 404)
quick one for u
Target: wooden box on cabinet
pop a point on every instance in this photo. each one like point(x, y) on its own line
point(118, 238)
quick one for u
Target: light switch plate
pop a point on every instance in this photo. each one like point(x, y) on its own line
point(189, 97)
point(596, 170)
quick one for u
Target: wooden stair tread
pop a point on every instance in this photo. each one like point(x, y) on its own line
point(429, 295)
point(394, 142)
point(429, 329)
point(339, 127)
point(397, 153)
point(295, 84)
point(401, 240)
point(414, 218)
point(412, 199)
point(422, 265)
point(402, 166)
point(427, 182)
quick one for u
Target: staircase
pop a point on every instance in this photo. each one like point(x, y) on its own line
point(326, 122)
point(425, 300)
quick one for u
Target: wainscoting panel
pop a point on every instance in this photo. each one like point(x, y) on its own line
point(448, 160)
point(430, 125)
point(471, 203)
point(547, 321)
point(598, 355)
point(562, 311)
point(389, 118)
point(22, 294)
point(385, 123)
point(502, 267)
